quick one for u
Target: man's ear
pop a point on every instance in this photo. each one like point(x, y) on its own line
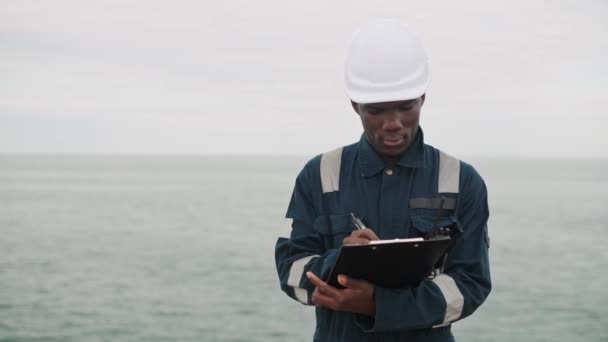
point(422, 99)
point(355, 106)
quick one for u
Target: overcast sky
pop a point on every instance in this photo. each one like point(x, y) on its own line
point(266, 77)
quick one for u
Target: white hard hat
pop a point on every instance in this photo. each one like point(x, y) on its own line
point(386, 62)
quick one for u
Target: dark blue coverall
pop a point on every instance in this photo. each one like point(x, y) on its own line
point(395, 201)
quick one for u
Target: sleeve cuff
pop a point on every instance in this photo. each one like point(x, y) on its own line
point(366, 323)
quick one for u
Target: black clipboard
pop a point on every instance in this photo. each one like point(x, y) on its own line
point(390, 264)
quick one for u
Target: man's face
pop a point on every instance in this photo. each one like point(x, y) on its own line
point(390, 127)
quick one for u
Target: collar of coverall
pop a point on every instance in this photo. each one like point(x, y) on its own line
point(372, 163)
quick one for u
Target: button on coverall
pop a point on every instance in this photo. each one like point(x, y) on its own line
point(395, 201)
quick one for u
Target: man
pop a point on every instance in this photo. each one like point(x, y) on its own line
point(401, 188)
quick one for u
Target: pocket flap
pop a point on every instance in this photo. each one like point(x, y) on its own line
point(425, 223)
point(333, 224)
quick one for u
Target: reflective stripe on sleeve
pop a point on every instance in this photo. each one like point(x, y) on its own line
point(449, 173)
point(330, 170)
point(454, 301)
point(295, 275)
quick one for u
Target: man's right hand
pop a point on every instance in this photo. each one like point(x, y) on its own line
point(360, 237)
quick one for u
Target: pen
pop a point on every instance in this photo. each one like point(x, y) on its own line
point(357, 222)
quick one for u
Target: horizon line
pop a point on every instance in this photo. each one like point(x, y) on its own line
point(274, 155)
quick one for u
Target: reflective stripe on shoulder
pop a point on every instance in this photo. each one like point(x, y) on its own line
point(449, 173)
point(295, 275)
point(330, 170)
point(454, 300)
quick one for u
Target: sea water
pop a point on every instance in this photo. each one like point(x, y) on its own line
point(161, 248)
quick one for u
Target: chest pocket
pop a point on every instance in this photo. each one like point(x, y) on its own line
point(333, 229)
point(425, 224)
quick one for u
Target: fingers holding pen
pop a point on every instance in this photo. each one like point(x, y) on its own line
point(360, 237)
point(366, 234)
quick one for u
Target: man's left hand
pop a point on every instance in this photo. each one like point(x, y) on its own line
point(357, 297)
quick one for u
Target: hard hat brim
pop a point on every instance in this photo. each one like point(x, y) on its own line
point(367, 97)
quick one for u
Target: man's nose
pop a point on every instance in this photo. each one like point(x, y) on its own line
point(393, 121)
